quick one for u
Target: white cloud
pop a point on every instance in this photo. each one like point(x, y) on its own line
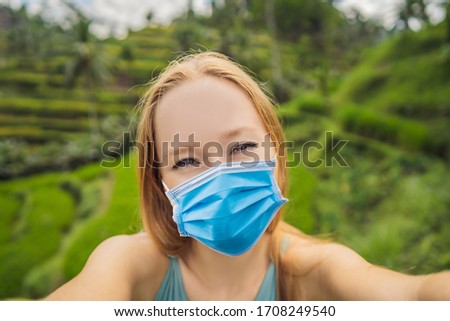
point(385, 11)
point(382, 10)
point(123, 15)
point(117, 16)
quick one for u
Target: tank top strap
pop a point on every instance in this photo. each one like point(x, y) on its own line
point(268, 289)
point(172, 288)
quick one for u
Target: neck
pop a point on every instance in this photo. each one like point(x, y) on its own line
point(227, 275)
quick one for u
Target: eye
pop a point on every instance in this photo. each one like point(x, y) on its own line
point(244, 146)
point(185, 162)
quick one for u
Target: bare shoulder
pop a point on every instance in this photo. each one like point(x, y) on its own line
point(310, 260)
point(324, 270)
point(303, 254)
point(311, 251)
point(124, 267)
point(137, 255)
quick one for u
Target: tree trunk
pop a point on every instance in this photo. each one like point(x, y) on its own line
point(279, 87)
point(448, 23)
point(272, 27)
point(423, 12)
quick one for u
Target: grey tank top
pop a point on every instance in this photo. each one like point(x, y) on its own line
point(172, 288)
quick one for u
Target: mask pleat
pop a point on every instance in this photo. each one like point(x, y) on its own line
point(224, 187)
point(246, 239)
point(236, 223)
point(227, 209)
point(218, 206)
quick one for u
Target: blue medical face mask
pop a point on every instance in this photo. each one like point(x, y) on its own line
point(228, 207)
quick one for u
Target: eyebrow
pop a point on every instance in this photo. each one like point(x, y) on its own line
point(229, 134)
point(223, 136)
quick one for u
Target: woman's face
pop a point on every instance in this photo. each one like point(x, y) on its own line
point(206, 122)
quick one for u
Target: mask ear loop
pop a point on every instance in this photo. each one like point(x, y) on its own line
point(166, 188)
point(274, 158)
point(272, 161)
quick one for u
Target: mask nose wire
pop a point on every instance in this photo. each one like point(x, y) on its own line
point(166, 188)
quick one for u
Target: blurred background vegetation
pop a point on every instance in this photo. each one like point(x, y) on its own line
point(64, 92)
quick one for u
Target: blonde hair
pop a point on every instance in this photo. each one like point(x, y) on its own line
point(156, 210)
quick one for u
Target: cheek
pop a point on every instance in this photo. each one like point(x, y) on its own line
point(170, 180)
point(173, 178)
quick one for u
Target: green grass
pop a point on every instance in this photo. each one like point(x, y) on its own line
point(152, 38)
point(145, 70)
point(17, 123)
point(400, 93)
point(52, 222)
point(411, 235)
point(390, 205)
point(29, 80)
point(69, 125)
point(158, 53)
point(32, 134)
point(10, 208)
point(56, 108)
point(299, 209)
point(120, 217)
point(36, 235)
point(412, 135)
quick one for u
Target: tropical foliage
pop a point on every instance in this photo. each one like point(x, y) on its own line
point(64, 94)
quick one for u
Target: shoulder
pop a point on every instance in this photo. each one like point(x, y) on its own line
point(310, 263)
point(313, 251)
point(122, 267)
point(137, 255)
point(304, 254)
point(138, 247)
point(324, 270)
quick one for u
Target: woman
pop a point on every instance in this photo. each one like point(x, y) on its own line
point(212, 179)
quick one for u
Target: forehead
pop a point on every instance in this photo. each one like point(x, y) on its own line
point(204, 107)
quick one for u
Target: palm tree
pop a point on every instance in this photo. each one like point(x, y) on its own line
point(279, 84)
point(447, 19)
point(88, 63)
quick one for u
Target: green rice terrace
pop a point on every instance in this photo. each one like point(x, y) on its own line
point(57, 203)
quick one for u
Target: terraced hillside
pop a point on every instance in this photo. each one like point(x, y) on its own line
point(49, 110)
point(390, 204)
point(51, 222)
point(61, 121)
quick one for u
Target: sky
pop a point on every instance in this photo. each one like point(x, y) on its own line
point(118, 16)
